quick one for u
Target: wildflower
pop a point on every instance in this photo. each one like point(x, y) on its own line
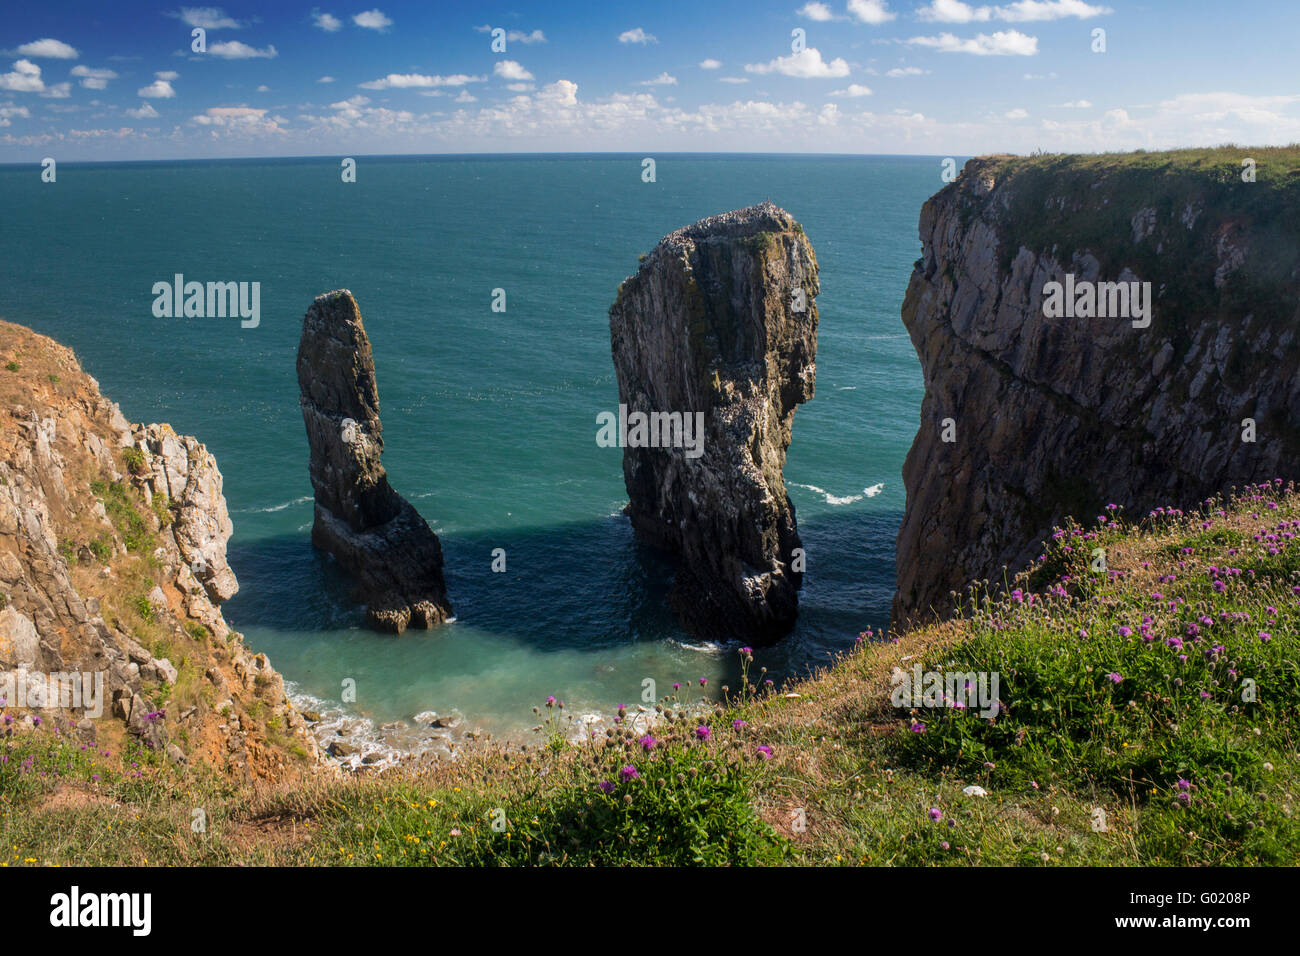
point(606, 786)
point(628, 773)
point(944, 845)
point(936, 814)
point(1184, 784)
point(918, 727)
point(738, 725)
point(550, 702)
point(1115, 678)
point(702, 732)
point(764, 751)
point(648, 743)
point(1265, 636)
point(704, 681)
point(1125, 631)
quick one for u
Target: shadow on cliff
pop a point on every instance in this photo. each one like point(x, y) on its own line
point(583, 586)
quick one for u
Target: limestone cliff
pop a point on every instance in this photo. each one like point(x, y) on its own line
point(1029, 418)
point(112, 571)
point(719, 325)
point(370, 529)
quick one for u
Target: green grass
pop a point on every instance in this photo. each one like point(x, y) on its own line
point(125, 508)
point(1182, 760)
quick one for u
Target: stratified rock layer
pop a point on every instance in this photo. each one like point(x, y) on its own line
point(712, 323)
point(370, 529)
point(1063, 416)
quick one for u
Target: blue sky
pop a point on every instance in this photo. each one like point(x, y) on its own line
point(88, 81)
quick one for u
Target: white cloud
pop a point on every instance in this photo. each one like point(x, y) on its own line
point(57, 91)
point(1028, 11)
point(264, 89)
point(663, 79)
point(25, 78)
point(326, 79)
point(372, 20)
point(49, 48)
point(326, 21)
point(159, 89)
point(519, 87)
point(1017, 114)
point(853, 89)
point(637, 35)
point(405, 81)
point(236, 119)
point(234, 50)
point(874, 12)
point(733, 79)
point(1077, 105)
point(819, 12)
point(510, 70)
point(1022, 11)
point(519, 36)
point(146, 111)
point(352, 102)
point(1002, 43)
point(93, 79)
point(806, 64)
point(710, 64)
point(8, 111)
point(901, 71)
point(168, 75)
point(209, 18)
point(465, 97)
point(953, 11)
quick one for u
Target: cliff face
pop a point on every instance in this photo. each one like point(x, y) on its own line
point(1029, 418)
point(112, 571)
point(369, 528)
point(719, 325)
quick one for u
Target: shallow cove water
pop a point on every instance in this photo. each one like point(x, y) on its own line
point(489, 418)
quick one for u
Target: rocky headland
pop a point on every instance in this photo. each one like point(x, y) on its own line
point(1030, 417)
point(371, 530)
point(719, 326)
point(112, 574)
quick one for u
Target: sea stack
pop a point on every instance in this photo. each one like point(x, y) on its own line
point(715, 344)
point(371, 530)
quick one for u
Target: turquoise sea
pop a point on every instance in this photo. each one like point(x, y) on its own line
point(489, 418)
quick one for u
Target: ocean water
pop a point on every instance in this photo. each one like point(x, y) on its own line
point(489, 418)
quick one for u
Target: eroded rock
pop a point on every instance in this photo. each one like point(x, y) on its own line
point(371, 530)
point(720, 321)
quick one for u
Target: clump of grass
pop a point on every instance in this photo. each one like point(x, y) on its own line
point(134, 460)
point(12, 366)
point(162, 509)
point(125, 508)
point(1169, 685)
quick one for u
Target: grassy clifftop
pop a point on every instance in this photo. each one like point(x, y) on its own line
point(1150, 716)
